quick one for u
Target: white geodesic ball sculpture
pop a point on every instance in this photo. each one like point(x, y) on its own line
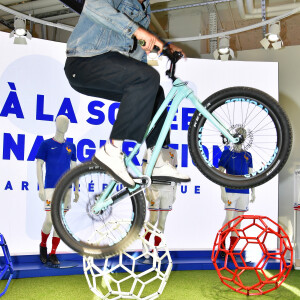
point(131, 275)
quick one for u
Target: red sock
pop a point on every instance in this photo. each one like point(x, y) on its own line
point(55, 242)
point(147, 236)
point(44, 239)
point(232, 241)
point(157, 241)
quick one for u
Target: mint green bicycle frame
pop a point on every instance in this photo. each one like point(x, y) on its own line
point(178, 92)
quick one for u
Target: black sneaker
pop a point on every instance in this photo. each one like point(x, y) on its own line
point(53, 259)
point(43, 254)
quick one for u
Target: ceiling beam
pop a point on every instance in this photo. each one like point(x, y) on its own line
point(7, 24)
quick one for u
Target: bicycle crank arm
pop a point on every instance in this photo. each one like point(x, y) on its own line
point(143, 182)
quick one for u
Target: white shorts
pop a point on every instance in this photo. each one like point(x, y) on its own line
point(161, 197)
point(237, 202)
point(49, 194)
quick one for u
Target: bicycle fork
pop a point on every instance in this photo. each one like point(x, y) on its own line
point(210, 117)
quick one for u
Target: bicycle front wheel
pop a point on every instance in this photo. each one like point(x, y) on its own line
point(99, 235)
point(263, 129)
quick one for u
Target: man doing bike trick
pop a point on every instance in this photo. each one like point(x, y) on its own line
point(105, 60)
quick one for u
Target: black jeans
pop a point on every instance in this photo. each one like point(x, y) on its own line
point(116, 77)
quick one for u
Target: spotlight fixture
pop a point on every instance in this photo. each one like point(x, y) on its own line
point(224, 52)
point(272, 37)
point(20, 33)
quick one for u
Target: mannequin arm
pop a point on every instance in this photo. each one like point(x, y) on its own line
point(39, 172)
point(252, 199)
point(73, 165)
point(223, 192)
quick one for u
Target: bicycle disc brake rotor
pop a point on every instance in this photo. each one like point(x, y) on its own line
point(245, 137)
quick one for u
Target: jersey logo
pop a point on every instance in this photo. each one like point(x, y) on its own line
point(229, 202)
point(246, 157)
point(53, 148)
point(68, 149)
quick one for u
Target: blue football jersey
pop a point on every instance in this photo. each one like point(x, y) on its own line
point(236, 163)
point(57, 157)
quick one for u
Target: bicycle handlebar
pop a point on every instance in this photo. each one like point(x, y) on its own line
point(174, 57)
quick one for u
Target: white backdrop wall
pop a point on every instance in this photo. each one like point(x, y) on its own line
point(34, 90)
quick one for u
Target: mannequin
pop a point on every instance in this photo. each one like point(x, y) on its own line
point(59, 156)
point(237, 162)
point(161, 195)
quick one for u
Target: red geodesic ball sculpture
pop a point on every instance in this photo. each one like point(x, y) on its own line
point(259, 260)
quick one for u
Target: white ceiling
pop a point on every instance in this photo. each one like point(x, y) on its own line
point(193, 17)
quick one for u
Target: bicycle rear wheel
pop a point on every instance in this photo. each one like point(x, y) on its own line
point(265, 137)
point(99, 235)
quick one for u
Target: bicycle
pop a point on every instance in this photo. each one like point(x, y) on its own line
point(107, 217)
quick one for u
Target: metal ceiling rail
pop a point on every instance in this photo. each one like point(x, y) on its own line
point(47, 9)
point(239, 30)
point(190, 5)
point(61, 17)
point(36, 20)
point(200, 37)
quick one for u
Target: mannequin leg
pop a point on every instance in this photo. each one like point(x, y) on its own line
point(162, 220)
point(230, 214)
point(161, 226)
point(153, 217)
point(46, 229)
point(234, 237)
point(237, 214)
point(47, 225)
point(55, 242)
point(152, 220)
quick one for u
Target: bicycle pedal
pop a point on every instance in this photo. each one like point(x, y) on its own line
point(144, 181)
point(168, 180)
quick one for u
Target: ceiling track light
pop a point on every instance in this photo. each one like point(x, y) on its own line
point(20, 33)
point(224, 52)
point(272, 37)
